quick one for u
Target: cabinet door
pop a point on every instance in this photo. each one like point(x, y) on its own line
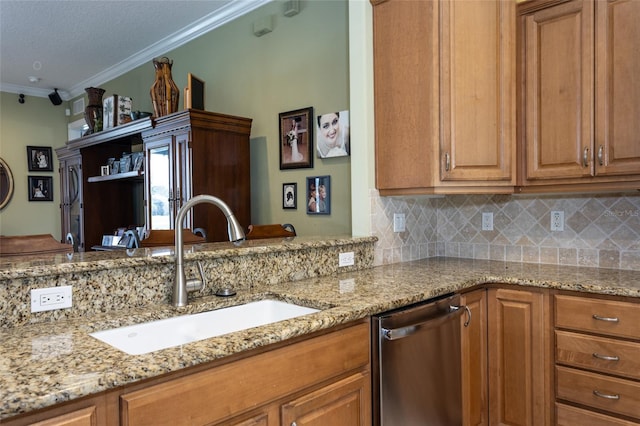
point(405, 37)
point(84, 417)
point(160, 191)
point(477, 74)
point(520, 358)
point(617, 87)
point(72, 211)
point(344, 403)
point(475, 405)
point(182, 186)
point(558, 90)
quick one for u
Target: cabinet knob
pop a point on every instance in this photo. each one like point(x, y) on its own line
point(600, 155)
point(294, 424)
point(585, 157)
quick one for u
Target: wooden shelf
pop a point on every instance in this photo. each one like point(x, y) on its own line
point(118, 176)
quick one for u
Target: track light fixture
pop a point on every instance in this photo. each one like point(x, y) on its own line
point(55, 98)
point(21, 98)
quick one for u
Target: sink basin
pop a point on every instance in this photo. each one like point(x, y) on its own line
point(155, 335)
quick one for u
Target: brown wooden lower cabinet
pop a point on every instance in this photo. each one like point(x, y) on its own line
point(520, 357)
point(322, 380)
point(475, 403)
point(507, 358)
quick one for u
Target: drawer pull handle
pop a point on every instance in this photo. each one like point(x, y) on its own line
point(605, 395)
point(606, 357)
point(608, 319)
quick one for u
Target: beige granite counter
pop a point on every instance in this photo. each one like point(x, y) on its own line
point(45, 363)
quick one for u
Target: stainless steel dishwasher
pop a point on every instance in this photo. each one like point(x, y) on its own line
point(417, 361)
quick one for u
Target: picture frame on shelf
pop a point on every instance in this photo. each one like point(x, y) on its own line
point(296, 139)
point(319, 195)
point(194, 93)
point(40, 158)
point(40, 188)
point(109, 115)
point(290, 195)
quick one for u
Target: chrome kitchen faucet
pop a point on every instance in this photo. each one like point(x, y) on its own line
point(182, 286)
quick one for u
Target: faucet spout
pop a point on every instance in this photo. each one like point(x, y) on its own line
point(181, 286)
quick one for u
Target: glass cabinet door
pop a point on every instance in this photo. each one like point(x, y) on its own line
point(160, 193)
point(72, 212)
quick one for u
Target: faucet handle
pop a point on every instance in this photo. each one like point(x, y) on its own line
point(195, 284)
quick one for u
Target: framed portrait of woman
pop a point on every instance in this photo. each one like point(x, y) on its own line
point(332, 134)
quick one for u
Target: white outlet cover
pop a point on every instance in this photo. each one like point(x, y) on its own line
point(51, 298)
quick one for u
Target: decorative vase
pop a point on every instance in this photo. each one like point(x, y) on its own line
point(164, 91)
point(93, 111)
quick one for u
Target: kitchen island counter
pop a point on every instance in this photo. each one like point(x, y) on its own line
point(47, 363)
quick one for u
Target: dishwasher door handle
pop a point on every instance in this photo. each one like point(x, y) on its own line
point(408, 330)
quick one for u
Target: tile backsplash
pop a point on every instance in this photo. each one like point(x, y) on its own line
point(599, 230)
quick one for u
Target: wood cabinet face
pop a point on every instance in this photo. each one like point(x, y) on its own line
point(477, 91)
point(558, 42)
point(444, 77)
point(475, 404)
point(617, 87)
point(520, 357)
point(580, 96)
point(344, 403)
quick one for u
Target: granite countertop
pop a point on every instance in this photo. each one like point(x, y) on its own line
point(44, 364)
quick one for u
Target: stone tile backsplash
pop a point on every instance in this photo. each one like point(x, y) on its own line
point(599, 230)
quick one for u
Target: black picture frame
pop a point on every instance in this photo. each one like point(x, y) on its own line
point(40, 188)
point(290, 195)
point(40, 158)
point(318, 188)
point(296, 139)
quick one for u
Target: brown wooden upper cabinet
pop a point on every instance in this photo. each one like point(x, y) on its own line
point(579, 103)
point(444, 75)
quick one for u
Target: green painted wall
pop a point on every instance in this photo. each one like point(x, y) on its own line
point(37, 122)
point(302, 62)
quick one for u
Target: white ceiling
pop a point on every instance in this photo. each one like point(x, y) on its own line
point(73, 44)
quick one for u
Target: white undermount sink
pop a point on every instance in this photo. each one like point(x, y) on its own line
point(155, 335)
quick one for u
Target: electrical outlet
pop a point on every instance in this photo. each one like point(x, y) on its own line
point(346, 259)
point(399, 222)
point(51, 298)
point(557, 221)
point(487, 221)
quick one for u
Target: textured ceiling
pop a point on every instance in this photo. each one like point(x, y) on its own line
point(73, 44)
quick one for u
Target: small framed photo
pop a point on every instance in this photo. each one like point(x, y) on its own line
point(40, 158)
point(319, 195)
point(289, 195)
point(109, 112)
point(40, 188)
point(296, 139)
point(104, 170)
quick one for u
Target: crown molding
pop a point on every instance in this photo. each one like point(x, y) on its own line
point(202, 26)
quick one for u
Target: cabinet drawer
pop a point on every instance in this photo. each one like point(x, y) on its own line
point(567, 415)
point(598, 353)
point(580, 387)
point(598, 316)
